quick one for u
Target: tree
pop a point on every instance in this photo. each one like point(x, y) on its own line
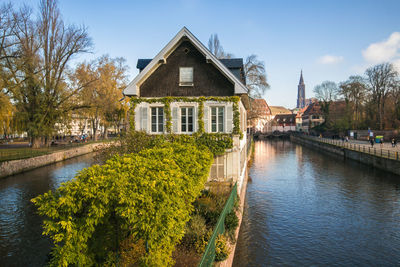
point(256, 78)
point(102, 81)
point(326, 92)
point(216, 49)
point(6, 114)
point(354, 91)
point(382, 79)
point(35, 67)
point(254, 69)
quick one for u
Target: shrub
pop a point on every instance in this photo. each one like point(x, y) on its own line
point(231, 221)
point(147, 195)
point(221, 248)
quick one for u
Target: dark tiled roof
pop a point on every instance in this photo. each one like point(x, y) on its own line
point(232, 63)
point(142, 63)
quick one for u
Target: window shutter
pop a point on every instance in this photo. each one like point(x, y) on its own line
point(137, 119)
point(175, 120)
point(143, 124)
point(229, 118)
point(194, 119)
point(205, 119)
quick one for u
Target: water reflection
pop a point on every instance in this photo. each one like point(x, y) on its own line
point(21, 240)
point(305, 208)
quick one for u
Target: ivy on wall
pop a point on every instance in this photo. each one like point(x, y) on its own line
point(200, 100)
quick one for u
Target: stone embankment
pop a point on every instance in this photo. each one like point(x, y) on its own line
point(384, 159)
point(21, 165)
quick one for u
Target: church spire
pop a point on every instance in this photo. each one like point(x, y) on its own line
point(301, 78)
point(301, 92)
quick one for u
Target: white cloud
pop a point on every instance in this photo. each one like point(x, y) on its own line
point(330, 60)
point(387, 50)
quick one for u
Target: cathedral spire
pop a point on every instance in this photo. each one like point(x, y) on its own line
point(301, 78)
point(301, 92)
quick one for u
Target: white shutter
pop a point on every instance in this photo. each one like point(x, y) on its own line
point(229, 119)
point(137, 119)
point(143, 124)
point(206, 126)
point(194, 119)
point(175, 120)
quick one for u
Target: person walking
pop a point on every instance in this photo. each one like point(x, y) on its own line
point(372, 142)
point(393, 142)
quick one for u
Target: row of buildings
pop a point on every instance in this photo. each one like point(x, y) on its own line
point(266, 119)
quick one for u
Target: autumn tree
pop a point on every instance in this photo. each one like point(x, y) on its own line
point(326, 92)
point(382, 79)
point(102, 81)
point(35, 66)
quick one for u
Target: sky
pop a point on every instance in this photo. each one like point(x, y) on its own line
point(328, 40)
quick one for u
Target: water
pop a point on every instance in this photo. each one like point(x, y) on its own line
point(304, 208)
point(21, 239)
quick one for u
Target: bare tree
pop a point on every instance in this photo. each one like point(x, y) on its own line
point(216, 49)
point(256, 78)
point(326, 92)
point(382, 79)
point(37, 67)
point(354, 91)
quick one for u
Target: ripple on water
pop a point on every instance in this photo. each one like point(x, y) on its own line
point(309, 209)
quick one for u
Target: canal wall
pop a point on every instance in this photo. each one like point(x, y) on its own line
point(386, 164)
point(8, 168)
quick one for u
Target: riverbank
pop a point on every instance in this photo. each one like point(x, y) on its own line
point(384, 159)
point(12, 167)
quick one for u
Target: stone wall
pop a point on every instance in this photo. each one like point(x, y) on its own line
point(382, 163)
point(17, 166)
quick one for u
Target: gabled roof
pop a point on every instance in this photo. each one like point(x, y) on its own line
point(233, 64)
point(279, 110)
point(133, 88)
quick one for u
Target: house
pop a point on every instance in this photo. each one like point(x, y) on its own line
point(299, 119)
point(259, 116)
point(312, 117)
point(275, 110)
point(284, 122)
point(185, 89)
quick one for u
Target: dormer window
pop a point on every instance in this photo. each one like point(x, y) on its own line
point(186, 76)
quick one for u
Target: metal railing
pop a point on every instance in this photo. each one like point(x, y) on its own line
point(209, 254)
point(367, 149)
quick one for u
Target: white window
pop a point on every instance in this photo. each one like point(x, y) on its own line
point(218, 167)
point(186, 76)
point(217, 119)
point(187, 119)
point(157, 120)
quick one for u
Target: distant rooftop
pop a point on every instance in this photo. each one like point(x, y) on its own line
point(279, 110)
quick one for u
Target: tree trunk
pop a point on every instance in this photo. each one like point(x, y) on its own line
point(36, 141)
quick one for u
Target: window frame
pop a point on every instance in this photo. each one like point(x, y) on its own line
point(186, 124)
point(186, 83)
point(217, 119)
point(157, 108)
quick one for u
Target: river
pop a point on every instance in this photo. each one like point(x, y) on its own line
point(21, 239)
point(305, 208)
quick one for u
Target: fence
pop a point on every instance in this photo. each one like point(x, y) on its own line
point(379, 152)
point(209, 254)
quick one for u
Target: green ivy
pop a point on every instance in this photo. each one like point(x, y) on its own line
point(145, 196)
point(200, 100)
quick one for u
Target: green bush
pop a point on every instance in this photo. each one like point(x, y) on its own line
point(231, 221)
point(147, 195)
point(221, 248)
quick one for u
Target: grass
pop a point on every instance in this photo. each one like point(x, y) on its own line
point(7, 154)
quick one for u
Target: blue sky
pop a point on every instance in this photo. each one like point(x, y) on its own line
point(329, 40)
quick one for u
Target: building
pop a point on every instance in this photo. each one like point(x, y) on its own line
point(299, 119)
point(312, 117)
point(284, 123)
point(275, 110)
point(301, 93)
point(185, 89)
point(259, 116)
